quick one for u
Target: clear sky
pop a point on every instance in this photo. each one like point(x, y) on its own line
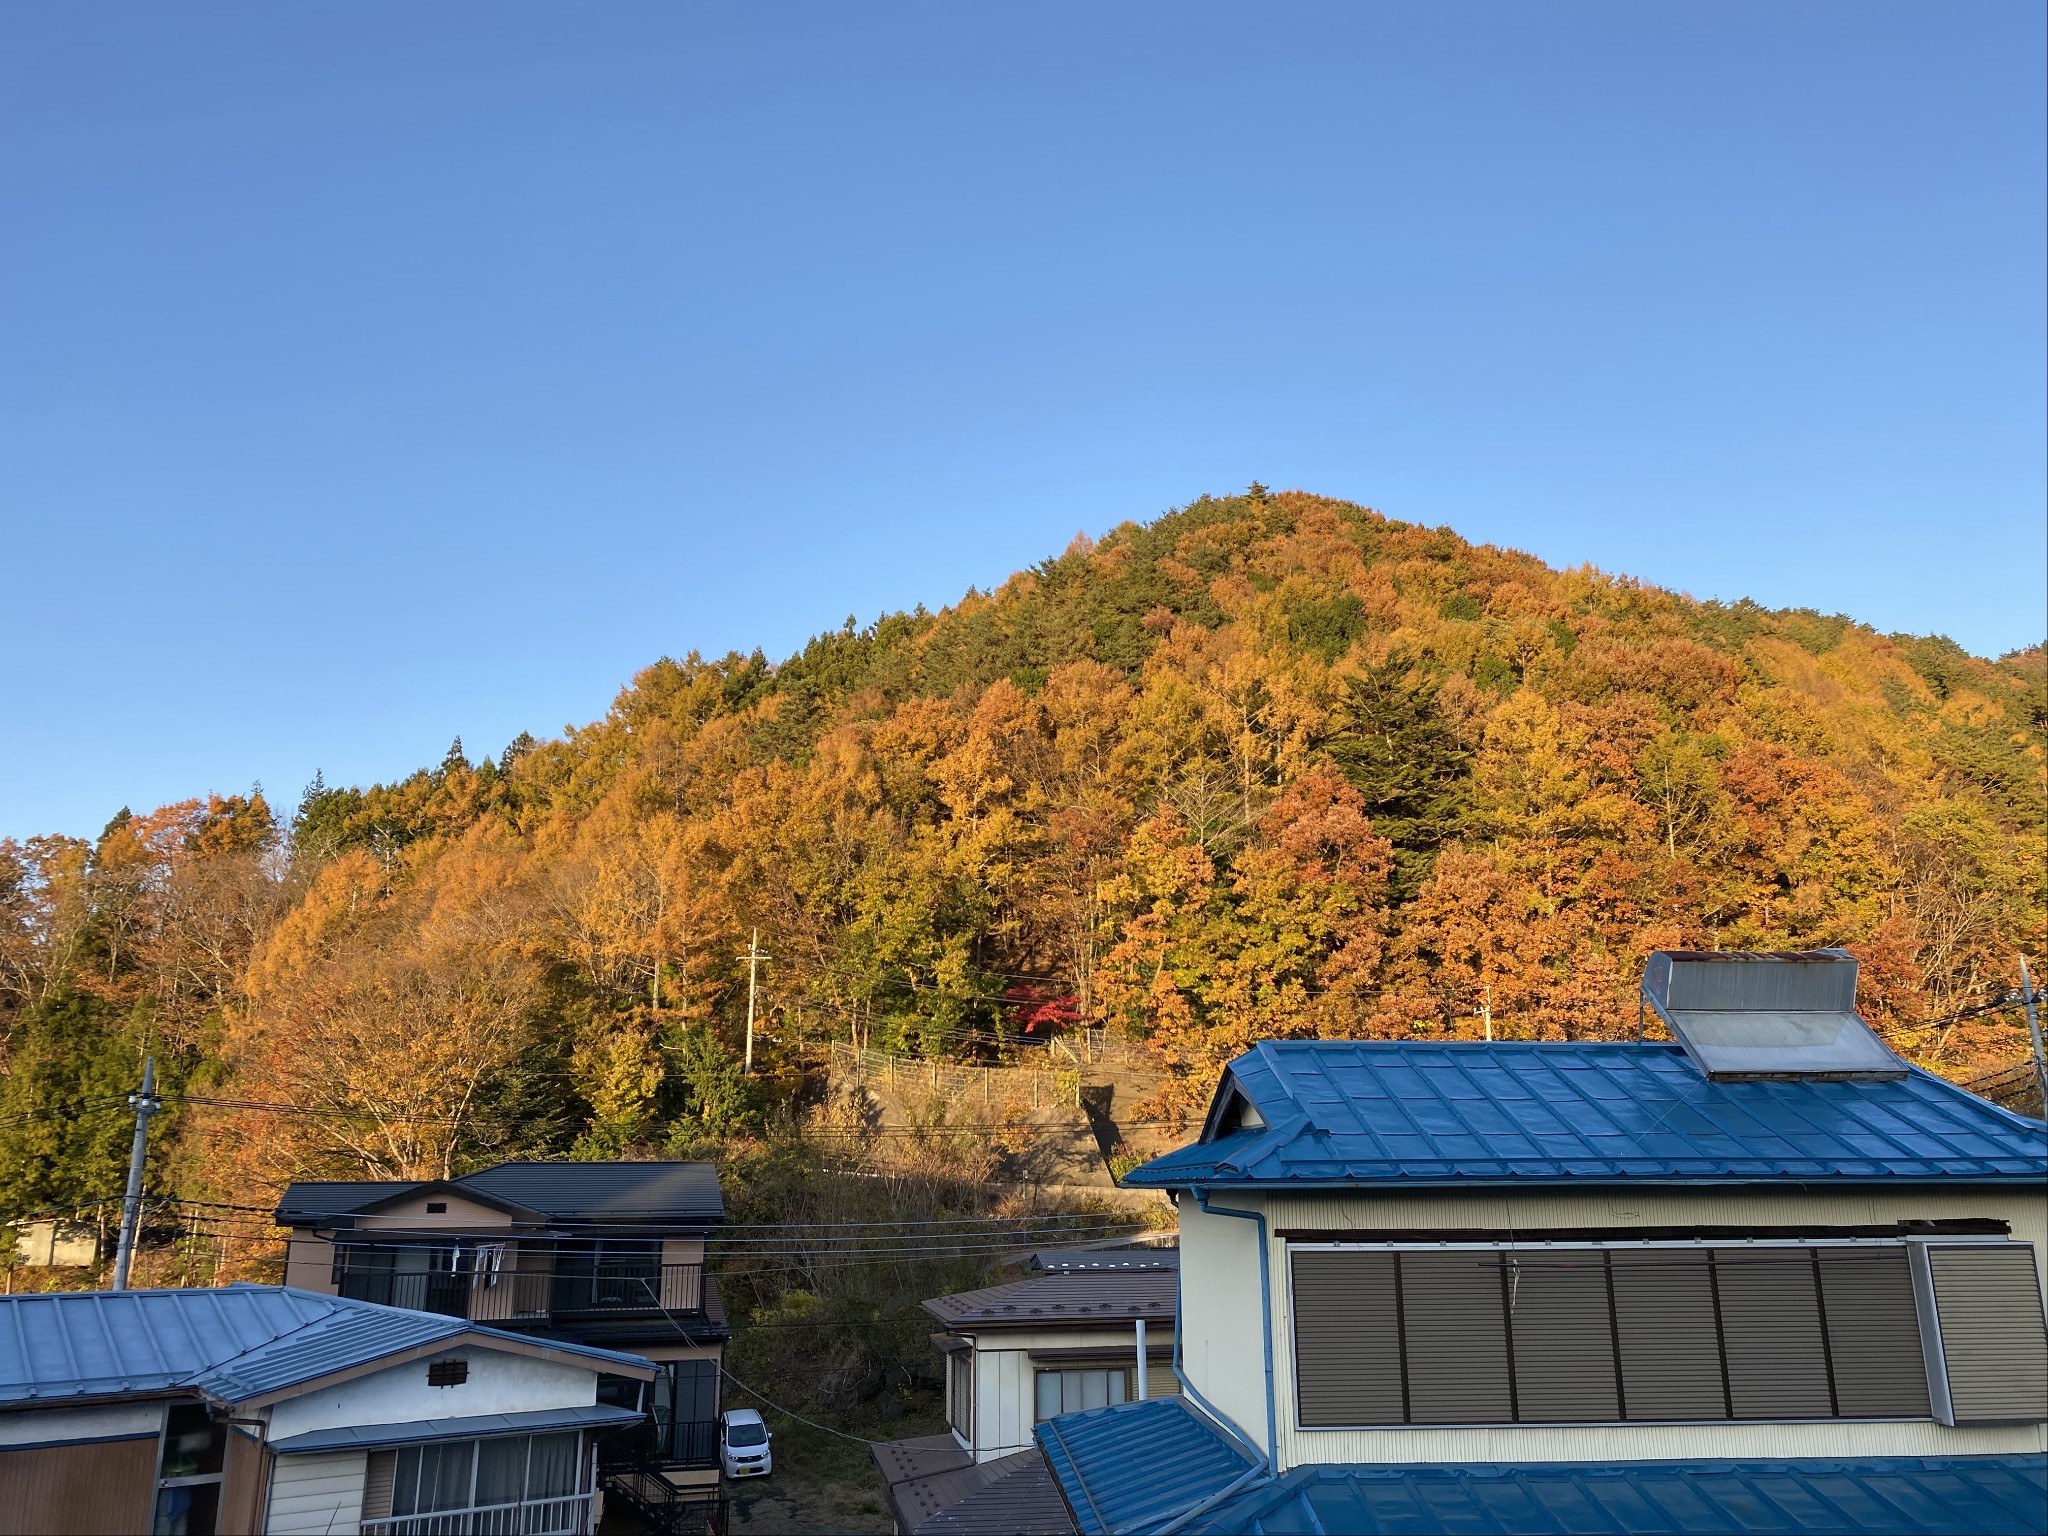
point(374, 373)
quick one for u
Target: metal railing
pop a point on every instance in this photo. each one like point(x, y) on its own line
point(570, 1516)
point(662, 1508)
point(606, 1286)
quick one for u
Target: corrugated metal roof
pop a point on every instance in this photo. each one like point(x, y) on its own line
point(1893, 1496)
point(356, 1437)
point(233, 1343)
point(610, 1192)
point(1340, 1112)
point(1065, 1296)
point(1136, 1465)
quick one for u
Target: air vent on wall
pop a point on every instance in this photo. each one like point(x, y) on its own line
point(447, 1373)
point(1742, 1015)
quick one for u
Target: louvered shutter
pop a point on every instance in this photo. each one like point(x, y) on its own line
point(1770, 1327)
point(1564, 1345)
point(1670, 1351)
point(1872, 1330)
point(1347, 1344)
point(1992, 1339)
point(377, 1476)
point(1456, 1326)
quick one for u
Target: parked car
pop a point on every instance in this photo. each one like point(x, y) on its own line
point(743, 1446)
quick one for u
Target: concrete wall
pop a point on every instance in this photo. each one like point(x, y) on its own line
point(1209, 1311)
point(317, 1495)
point(499, 1382)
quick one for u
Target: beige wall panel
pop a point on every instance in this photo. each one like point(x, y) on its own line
point(319, 1495)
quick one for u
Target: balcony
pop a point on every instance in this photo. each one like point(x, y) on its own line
point(577, 1287)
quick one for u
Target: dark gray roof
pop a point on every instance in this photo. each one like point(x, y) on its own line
point(1123, 1256)
point(309, 1199)
point(1010, 1496)
point(937, 1489)
point(607, 1191)
point(625, 1193)
point(1065, 1296)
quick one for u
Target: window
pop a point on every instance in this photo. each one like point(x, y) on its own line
point(1071, 1391)
point(189, 1471)
point(960, 1395)
point(1660, 1332)
point(447, 1475)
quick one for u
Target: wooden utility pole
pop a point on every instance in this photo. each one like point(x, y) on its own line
point(753, 957)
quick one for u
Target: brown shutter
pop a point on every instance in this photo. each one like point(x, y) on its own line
point(1664, 1315)
point(1456, 1337)
point(1992, 1337)
point(1770, 1325)
point(1564, 1344)
point(377, 1485)
point(1347, 1347)
point(1873, 1333)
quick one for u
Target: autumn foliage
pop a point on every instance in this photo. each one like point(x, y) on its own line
point(1272, 765)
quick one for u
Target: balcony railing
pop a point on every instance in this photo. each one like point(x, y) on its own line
point(513, 1295)
point(531, 1517)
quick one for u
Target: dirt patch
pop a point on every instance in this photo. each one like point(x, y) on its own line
point(823, 1485)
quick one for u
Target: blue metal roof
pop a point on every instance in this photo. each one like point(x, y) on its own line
point(1408, 1113)
point(1138, 1464)
point(1897, 1495)
point(234, 1343)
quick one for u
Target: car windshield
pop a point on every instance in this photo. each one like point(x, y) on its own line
point(746, 1434)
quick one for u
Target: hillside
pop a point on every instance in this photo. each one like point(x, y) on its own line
point(1270, 765)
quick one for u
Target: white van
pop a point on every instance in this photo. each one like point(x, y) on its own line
point(743, 1448)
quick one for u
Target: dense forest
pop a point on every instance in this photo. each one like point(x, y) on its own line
point(1270, 765)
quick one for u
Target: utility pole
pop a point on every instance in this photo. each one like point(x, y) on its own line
point(145, 1104)
point(2030, 997)
point(753, 957)
point(1486, 1011)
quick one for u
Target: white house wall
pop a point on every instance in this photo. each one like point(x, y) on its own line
point(108, 1421)
point(1006, 1376)
point(317, 1495)
point(499, 1382)
point(1219, 1313)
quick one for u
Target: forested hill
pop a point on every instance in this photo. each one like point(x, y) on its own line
point(1271, 765)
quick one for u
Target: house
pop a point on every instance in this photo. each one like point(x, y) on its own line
point(1088, 1327)
point(258, 1408)
point(1764, 1277)
point(1082, 1333)
point(609, 1255)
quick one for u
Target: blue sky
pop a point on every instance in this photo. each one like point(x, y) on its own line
point(372, 374)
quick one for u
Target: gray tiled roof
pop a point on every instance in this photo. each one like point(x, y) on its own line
point(1065, 1296)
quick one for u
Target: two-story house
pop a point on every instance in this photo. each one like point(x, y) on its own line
point(1765, 1278)
point(257, 1408)
point(609, 1255)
